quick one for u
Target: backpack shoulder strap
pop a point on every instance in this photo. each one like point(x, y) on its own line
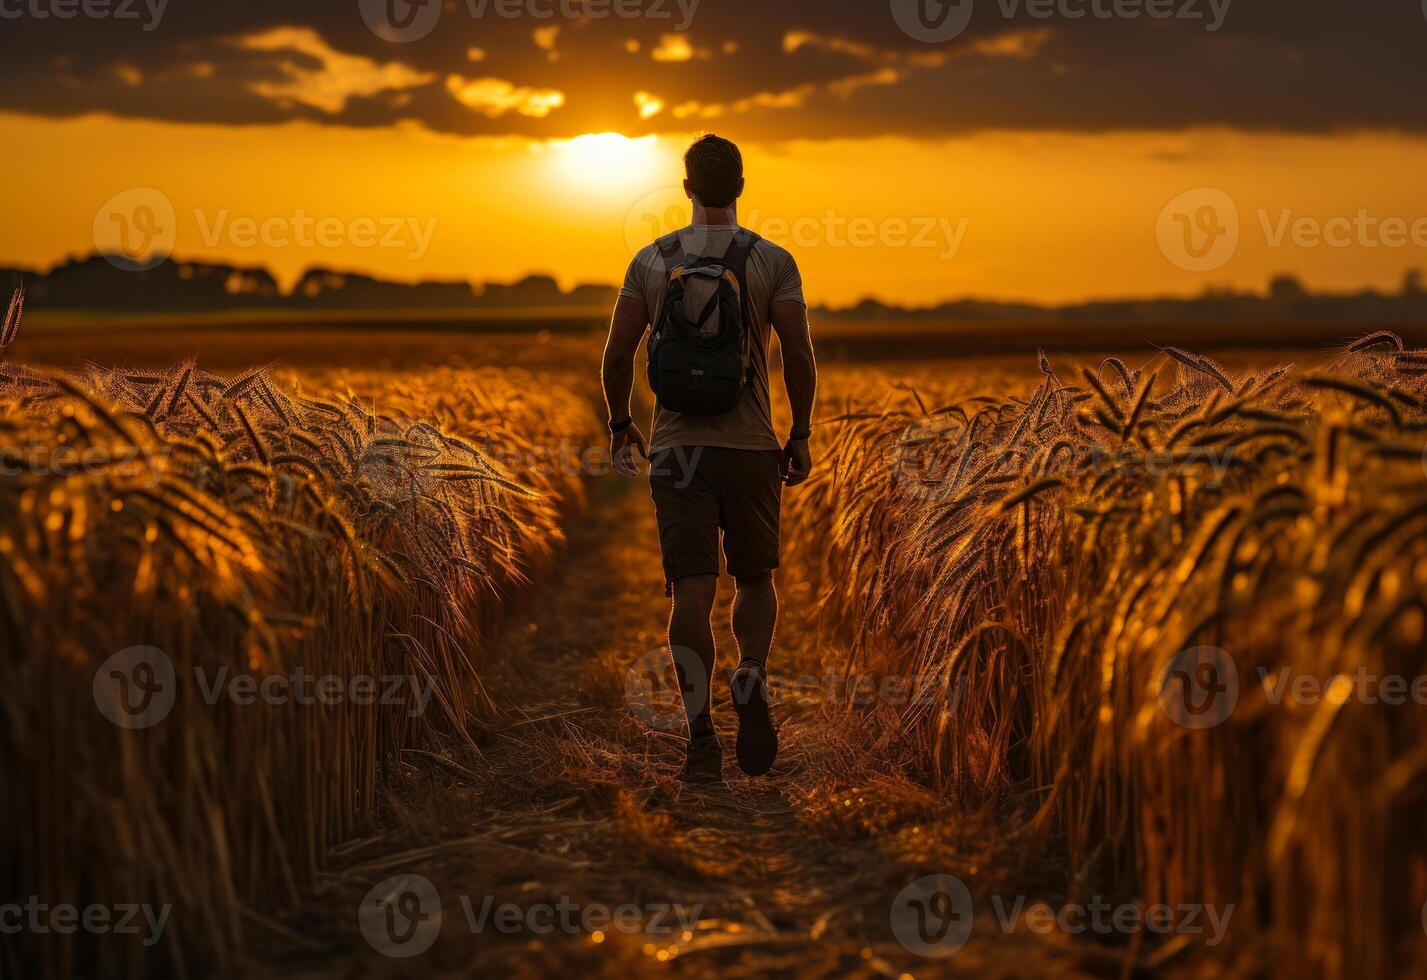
point(736, 258)
point(671, 251)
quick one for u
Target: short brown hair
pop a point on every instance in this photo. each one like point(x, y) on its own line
point(715, 170)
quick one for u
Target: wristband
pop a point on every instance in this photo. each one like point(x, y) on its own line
point(615, 428)
point(800, 436)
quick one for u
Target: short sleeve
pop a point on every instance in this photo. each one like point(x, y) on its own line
point(633, 287)
point(788, 282)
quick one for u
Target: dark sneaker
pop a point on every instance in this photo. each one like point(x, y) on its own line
point(703, 762)
point(757, 741)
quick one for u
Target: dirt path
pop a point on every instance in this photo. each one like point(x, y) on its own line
point(573, 811)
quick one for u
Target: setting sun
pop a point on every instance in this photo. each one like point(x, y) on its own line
point(601, 163)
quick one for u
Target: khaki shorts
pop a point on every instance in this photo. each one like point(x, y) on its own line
point(699, 491)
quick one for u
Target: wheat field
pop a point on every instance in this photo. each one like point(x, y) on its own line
point(358, 528)
point(1034, 546)
point(1037, 563)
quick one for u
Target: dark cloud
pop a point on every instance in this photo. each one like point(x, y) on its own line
point(1302, 65)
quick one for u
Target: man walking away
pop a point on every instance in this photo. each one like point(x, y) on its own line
point(713, 293)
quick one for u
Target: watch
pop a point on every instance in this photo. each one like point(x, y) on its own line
point(800, 436)
point(615, 428)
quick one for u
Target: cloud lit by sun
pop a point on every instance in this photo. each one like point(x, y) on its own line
point(649, 105)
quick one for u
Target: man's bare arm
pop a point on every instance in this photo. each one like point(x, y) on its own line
point(800, 377)
point(800, 368)
point(626, 330)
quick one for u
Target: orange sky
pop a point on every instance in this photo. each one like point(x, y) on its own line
point(1019, 215)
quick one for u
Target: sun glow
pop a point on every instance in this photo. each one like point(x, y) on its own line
point(597, 163)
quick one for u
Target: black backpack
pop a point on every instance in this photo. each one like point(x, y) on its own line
point(700, 366)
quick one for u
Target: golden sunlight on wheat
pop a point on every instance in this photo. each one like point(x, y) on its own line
point(1030, 582)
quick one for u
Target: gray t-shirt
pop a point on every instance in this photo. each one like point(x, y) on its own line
point(772, 278)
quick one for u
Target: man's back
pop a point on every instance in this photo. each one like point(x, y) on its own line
point(716, 480)
point(772, 278)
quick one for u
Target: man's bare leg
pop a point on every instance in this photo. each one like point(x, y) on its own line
point(692, 642)
point(755, 616)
